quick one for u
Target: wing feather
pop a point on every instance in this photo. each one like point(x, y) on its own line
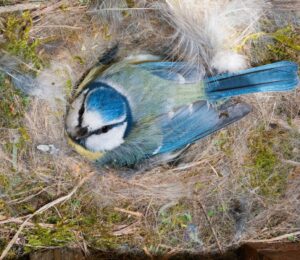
point(190, 123)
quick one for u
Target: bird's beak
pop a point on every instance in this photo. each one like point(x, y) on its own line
point(81, 132)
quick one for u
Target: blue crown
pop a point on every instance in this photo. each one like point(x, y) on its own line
point(108, 102)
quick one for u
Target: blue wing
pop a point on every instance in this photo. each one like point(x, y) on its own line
point(190, 123)
point(181, 72)
point(170, 132)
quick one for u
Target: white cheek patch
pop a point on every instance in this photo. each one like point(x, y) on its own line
point(106, 141)
point(93, 120)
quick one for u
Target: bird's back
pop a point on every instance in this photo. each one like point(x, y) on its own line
point(151, 94)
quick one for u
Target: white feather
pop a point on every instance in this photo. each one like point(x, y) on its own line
point(228, 61)
point(52, 82)
point(205, 28)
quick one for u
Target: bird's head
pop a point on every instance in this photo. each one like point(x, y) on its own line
point(99, 118)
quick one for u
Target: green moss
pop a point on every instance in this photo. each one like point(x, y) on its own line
point(94, 226)
point(4, 182)
point(105, 32)
point(130, 3)
point(173, 223)
point(264, 169)
point(282, 44)
point(38, 237)
point(84, 2)
point(12, 105)
point(288, 37)
point(114, 217)
point(18, 41)
point(6, 2)
point(69, 88)
point(223, 142)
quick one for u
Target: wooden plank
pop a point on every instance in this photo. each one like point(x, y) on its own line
point(249, 251)
point(270, 251)
point(58, 254)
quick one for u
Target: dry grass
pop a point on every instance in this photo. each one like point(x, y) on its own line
point(240, 184)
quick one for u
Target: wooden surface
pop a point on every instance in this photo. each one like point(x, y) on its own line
point(270, 251)
point(253, 251)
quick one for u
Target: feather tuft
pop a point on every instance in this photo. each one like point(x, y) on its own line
point(206, 29)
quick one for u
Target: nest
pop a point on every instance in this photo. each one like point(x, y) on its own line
point(240, 184)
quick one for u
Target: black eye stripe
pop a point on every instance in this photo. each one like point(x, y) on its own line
point(103, 129)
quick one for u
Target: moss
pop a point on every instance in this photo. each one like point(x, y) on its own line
point(94, 226)
point(264, 169)
point(114, 217)
point(282, 44)
point(223, 142)
point(84, 2)
point(105, 31)
point(38, 237)
point(6, 2)
point(4, 182)
point(18, 41)
point(130, 3)
point(173, 223)
point(12, 105)
point(288, 37)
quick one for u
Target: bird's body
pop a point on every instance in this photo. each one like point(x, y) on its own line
point(136, 110)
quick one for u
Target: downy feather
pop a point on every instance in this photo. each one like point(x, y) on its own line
point(206, 32)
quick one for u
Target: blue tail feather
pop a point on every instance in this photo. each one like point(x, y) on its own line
point(275, 77)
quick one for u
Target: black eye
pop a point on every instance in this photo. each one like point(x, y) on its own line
point(102, 130)
point(105, 129)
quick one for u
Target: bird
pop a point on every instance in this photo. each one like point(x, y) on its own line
point(142, 108)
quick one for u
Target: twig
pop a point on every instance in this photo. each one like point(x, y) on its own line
point(41, 210)
point(272, 239)
point(291, 162)
point(57, 26)
point(18, 201)
point(187, 166)
point(133, 213)
point(122, 9)
point(20, 221)
point(126, 230)
point(147, 252)
point(211, 227)
point(18, 7)
point(215, 171)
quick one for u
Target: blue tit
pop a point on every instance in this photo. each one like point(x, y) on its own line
point(135, 110)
